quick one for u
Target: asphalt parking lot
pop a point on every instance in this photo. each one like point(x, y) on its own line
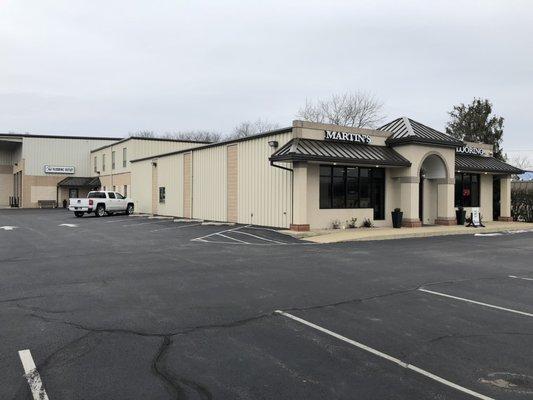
point(138, 308)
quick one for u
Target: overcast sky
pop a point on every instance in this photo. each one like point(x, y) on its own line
point(113, 67)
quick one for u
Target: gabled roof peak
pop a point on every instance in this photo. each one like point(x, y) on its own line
point(407, 130)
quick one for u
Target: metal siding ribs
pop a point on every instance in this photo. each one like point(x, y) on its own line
point(406, 130)
point(472, 163)
point(322, 150)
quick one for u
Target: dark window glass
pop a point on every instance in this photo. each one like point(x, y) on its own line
point(474, 190)
point(364, 188)
point(96, 195)
point(111, 195)
point(467, 190)
point(353, 187)
point(339, 187)
point(378, 193)
point(119, 196)
point(162, 195)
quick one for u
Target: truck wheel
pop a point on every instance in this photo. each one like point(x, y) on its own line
point(100, 211)
point(78, 214)
point(129, 209)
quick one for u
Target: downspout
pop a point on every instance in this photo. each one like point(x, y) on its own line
point(272, 164)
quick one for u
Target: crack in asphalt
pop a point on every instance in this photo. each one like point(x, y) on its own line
point(178, 384)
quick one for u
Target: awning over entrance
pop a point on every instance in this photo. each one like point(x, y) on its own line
point(342, 152)
point(75, 181)
point(471, 163)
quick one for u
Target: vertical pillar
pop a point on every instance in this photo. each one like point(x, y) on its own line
point(505, 199)
point(409, 198)
point(155, 189)
point(445, 201)
point(299, 219)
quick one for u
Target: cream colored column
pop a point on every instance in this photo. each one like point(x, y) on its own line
point(445, 202)
point(300, 222)
point(505, 199)
point(409, 186)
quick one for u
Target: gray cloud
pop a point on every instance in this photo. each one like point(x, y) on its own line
point(111, 67)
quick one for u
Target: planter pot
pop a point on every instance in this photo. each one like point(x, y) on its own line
point(460, 215)
point(397, 219)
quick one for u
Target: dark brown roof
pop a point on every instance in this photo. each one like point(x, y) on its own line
point(80, 181)
point(471, 163)
point(405, 130)
point(322, 150)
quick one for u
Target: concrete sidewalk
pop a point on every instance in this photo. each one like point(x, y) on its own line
point(358, 234)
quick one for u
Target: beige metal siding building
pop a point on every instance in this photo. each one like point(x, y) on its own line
point(111, 163)
point(311, 175)
point(32, 166)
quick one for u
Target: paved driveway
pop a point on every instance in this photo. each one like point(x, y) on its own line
point(137, 308)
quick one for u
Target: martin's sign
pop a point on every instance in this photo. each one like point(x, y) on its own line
point(477, 151)
point(49, 169)
point(347, 137)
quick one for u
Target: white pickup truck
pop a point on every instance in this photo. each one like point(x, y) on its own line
point(101, 203)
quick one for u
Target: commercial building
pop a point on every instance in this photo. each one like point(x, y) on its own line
point(310, 175)
point(111, 161)
point(46, 170)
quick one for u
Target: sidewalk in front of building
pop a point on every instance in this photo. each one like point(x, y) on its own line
point(360, 234)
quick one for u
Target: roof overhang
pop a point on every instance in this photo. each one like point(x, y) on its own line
point(312, 150)
point(481, 164)
point(75, 181)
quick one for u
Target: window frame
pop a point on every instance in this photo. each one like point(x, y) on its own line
point(103, 162)
point(371, 179)
point(162, 194)
point(113, 157)
point(462, 203)
point(124, 157)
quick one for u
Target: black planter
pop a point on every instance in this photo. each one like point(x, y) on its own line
point(397, 217)
point(460, 215)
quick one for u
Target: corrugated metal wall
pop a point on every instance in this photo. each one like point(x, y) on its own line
point(141, 186)
point(209, 184)
point(264, 191)
point(232, 170)
point(170, 176)
point(38, 152)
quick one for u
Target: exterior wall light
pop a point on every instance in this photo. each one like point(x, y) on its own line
point(273, 143)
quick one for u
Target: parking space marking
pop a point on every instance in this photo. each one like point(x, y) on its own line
point(258, 237)
point(151, 222)
point(477, 302)
point(8, 227)
point(230, 238)
point(32, 376)
point(175, 227)
point(69, 225)
point(520, 277)
point(386, 357)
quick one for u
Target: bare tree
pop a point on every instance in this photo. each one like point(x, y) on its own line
point(144, 134)
point(248, 128)
point(521, 162)
point(194, 135)
point(357, 109)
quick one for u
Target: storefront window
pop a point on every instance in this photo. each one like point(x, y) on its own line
point(353, 187)
point(466, 190)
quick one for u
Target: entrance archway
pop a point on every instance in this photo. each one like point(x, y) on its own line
point(432, 169)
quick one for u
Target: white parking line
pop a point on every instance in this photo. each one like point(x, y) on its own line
point(387, 357)
point(520, 277)
point(152, 222)
point(32, 376)
point(175, 227)
point(259, 237)
point(476, 302)
point(217, 233)
point(230, 238)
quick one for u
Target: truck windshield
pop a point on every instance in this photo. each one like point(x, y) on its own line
point(96, 195)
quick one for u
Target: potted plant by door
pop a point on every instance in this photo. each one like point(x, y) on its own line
point(397, 216)
point(460, 215)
